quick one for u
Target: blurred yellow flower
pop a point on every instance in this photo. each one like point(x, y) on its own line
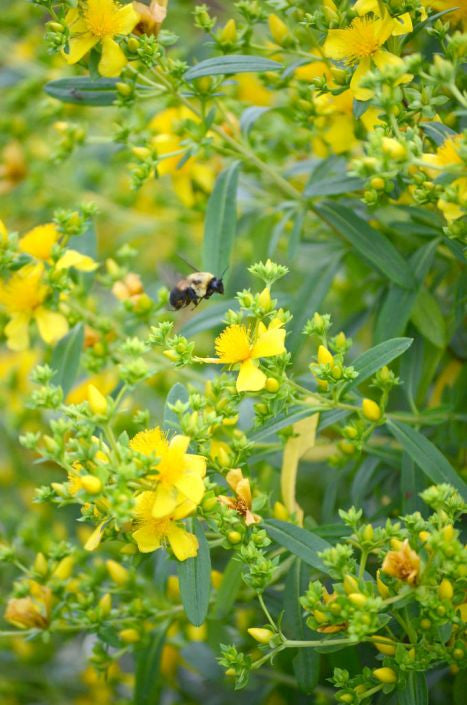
point(22, 297)
point(97, 21)
point(448, 155)
point(150, 16)
point(236, 344)
point(168, 140)
point(32, 611)
point(178, 474)
point(361, 44)
point(152, 533)
point(251, 90)
point(403, 564)
point(457, 11)
point(13, 167)
point(15, 368)
point(105, 382)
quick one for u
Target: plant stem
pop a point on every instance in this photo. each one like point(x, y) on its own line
point(266, 611)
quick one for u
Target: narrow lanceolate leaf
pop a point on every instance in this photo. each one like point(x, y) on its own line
point(147, 669)
point(371, 245)
point(221, 221)
point(271, 427)
point(66, 356)
point(228, 589)
point(227, 65)
point(306, 661)
point(426, 455)
point(296, 446)
point(82, 90)
point(414, 690)
point(194, 575)
point(428, 318)
point(300, 542)
point(250, 116)
point(373, 359)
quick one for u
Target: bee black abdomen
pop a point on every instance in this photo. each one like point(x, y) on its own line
point(179, 298)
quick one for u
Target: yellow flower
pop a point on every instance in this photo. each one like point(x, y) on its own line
point(242, 503)
point(23, 296)
point(457, 15)
point(39, 241)
point(152, 533)
point(168, 139)
point(236, 345)
point(448, 155)
point(361, 44)
point(105, 382)
point(15, 368)
point(179, 475)
point(100, 21)
point(13, 167)
point(403, 564)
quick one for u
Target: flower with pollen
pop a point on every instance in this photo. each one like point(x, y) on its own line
point(361, 44)
point(242, 502)
point(236, 344)
point(99, 21)
point(178, 475)
point(152, 533)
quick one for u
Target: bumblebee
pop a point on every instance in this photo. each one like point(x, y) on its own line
point(194, 288)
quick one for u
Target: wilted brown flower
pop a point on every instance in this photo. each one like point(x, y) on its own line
point(32, 611)
point(13, 167)
point(151, 16)
point(403, 564)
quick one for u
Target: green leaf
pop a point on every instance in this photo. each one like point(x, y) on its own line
point(82, 90)
point(373, 359)
point(250, 116)
point(428, 318)
point(230, 64)
point(228, 589)
point(177, 393)
point(329, 178)
point(372, 245)
point(221, 221)
point(437, 131)
point(426, 455)
point(306, 662)
point(66, 356)
point(298, 541)
point(147, 671)
point(414, 690)
point(295, 413)
point(194, 575)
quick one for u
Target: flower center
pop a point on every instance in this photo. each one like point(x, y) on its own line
point(102, 19)
point(362, 40)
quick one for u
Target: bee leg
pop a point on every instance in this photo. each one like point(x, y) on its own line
point(193, 297)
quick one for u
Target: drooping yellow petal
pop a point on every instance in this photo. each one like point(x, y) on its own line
point(146, 538)
point(112, 60)
point(233, 344)
point(73, 258)
point(94, 540)
point(250, 378)
point(233, 477)
point(244, 491)
point(127, 19)
point(269, 344)
point(165, 501)
point(184, 544)
point(361, 70)
point(17, 331)
point(179, 444)
point(79, 46)
point(52, 325)
point(39, 241)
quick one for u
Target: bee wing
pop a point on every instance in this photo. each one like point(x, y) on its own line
point(169, 275)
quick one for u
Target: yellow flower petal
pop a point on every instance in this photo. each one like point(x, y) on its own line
point(165, 501)
point(112, 60)
point(79, 46)
point(179, 443)
point(17, 331)
point(191, 486)
point(127, 19)
point(335, 46)
point(233, 344)
point(196, 464)
point(402, 24)
point(363, 7)
point(95, 538)
point(143, 506)
point(73, 258)
point(250, 378)
point(269, 343)
point(184, 509)
point(244, 491)
point(147, 539)
point(184, 544)
point(52, 325)
point(384, 58)
point(39, 241)
point(359, 73)
point(233, 477)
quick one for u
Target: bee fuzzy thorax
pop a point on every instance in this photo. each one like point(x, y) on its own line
point(194, 288)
